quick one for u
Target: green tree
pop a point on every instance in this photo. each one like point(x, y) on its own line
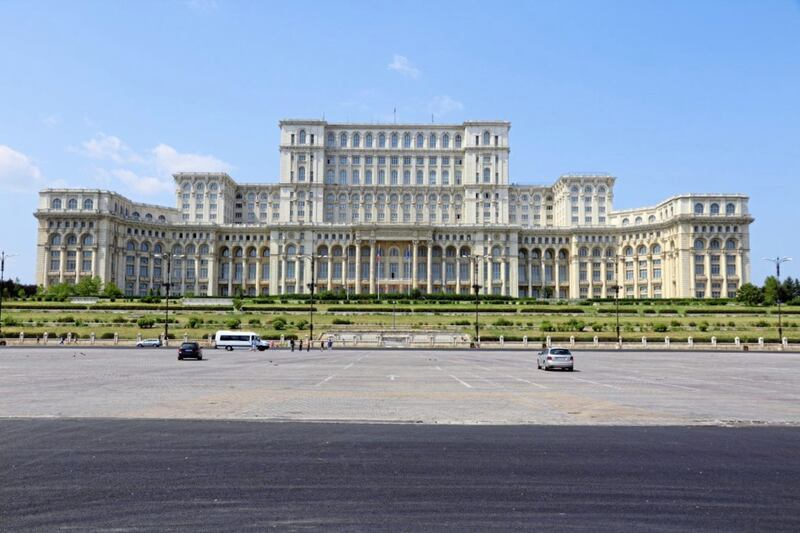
point(771, 290)
point(60, 291)
point(749, 294)
point(237, 304)
point(89, 286)
point(111, 290)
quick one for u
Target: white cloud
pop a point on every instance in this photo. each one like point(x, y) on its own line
point(17, 172)
point(51, 121)
point(442, 105)
point(402, 65)
point(147, 185)
point(169, 160)
point(104, 146)
point(147, 173)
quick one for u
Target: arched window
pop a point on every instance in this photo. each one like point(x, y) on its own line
point(420, 140)
point(72, 203)
point(368, 140)
point(291, 249)
point(302, 136)
point(714, 210)
point(157, 249)
point(730, 209)
point(651, 219)
point(148, 217)
point(601, 190)
point(162, 218)
point(486, 138)
point(458, 141)
point(135, 215)
point(88, 204)
point(356, 140)
point(203, 249)
point(144, 247)
point(55, 240)
point(225, 252)
point(406, 140)
point(656, 249)
point(71, 240)
point(381, 140)
point(587, 189)
point(583, 251)
point(238, 252)
point(698, 209)
point(394, 140)
point(699, 244)
point(730, 244)
point(432, 141)
point(629, 251)
point(626, 222)
point(642, 250)
point(574, 189)
point(714, 244)
point(445, 141)
point(343, 140)
point(87, 240)
point(251, 252)
point(638, 221)
point(331, 139)
point(131, 246)
point(56, 203)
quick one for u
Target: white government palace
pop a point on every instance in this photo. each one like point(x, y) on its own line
point(390, 208)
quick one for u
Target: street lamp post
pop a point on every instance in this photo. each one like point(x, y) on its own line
point(311, 304)
point(477, 288)
point(168, 256)
point(3, 257)
point(616, 288)
point(777, 261)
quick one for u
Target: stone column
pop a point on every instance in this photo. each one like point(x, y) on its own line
point(503, 280)
point(603, 279)
point(430, 268)
point(259, 267)
point(458, 272)
point(330, 272)
point(283, 273)
point(230, 276)
point(529, 275)
point(196, 280)
point(358, 267)
point(556, 277)
point(414, 259)
point(212, 276)
point(372, 267)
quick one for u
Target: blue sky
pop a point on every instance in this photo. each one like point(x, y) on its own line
point(669, 96)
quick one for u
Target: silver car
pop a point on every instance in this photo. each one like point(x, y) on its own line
point(555, 358)
point(149, 343)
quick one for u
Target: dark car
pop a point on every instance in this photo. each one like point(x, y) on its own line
point(190, 349)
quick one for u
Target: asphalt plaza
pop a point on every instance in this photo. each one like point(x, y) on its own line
point(402, 386)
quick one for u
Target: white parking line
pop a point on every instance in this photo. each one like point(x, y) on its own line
point(659, 383)
point(439, 369)
point(528, 382)
point(325, 380)
point(460, 381)
point(348, 366)
point(597, 383)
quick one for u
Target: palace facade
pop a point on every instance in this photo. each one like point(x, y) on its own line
point(383, 208)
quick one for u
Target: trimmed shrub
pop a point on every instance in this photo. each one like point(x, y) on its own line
point(233, 323)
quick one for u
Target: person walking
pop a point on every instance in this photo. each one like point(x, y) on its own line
point(291, 344)
point(301, 345)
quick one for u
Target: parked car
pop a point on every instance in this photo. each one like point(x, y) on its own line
point(555, 358)
point(191, 350)
point(149, 343)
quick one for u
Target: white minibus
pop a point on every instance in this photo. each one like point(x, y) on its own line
point(238, 339)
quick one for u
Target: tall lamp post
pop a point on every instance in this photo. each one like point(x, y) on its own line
point(3, 257)
point(777, 261)
point(477, 288)
point(169, 257)
point(311, 302)
point(616, 288)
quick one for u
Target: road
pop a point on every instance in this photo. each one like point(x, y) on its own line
point(225, 475)
point(434, 387)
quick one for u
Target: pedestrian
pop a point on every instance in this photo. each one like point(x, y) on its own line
point(253, 344)
point(322, 344)
point(37, 339)
point(330, 343)
point(291, 344)
point(61, 340)
point(301, 345)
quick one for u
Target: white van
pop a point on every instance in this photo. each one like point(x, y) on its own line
point(238, 339)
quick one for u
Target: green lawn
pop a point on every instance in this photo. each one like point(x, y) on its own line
point(512, 320)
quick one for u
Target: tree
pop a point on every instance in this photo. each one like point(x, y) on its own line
point(771, 290)
point(89, 286)
point(111, 290)
point(749, 294)
point(59, 291)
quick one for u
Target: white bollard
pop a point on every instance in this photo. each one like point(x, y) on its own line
point(139, 337)
point(737, 341)
point(547, 340)
point(525, 341)
point(761, 342)
point(21, 337)
point(690, 342)
point(69, 337)
point(596, 340)
point(785, 342)
point(185, 337)
point(91, 338)
point(644, 342)
point(572, 341)
point(713, 342)
point(116, 338)
point(502, 341)
point(666, 342)
point(44, 337)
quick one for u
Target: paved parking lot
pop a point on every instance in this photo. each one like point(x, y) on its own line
point(458, 387)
